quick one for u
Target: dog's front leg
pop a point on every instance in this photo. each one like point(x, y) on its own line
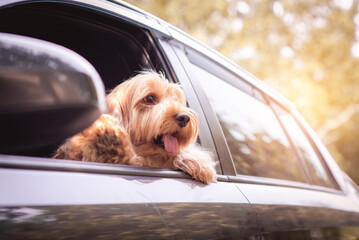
point(104, 141)
point(197, 163)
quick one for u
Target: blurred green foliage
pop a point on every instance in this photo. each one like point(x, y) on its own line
point(306, 50)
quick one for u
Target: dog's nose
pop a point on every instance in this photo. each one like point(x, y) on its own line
point(182, 119)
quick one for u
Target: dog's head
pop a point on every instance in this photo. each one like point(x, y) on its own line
point(154, 112)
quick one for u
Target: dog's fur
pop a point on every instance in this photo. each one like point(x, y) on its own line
point(144, 126)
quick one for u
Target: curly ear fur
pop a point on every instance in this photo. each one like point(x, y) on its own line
point(117, 103)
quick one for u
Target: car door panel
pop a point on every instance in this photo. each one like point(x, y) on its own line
point(292, 213)
point(125, 221)
point(76, 200)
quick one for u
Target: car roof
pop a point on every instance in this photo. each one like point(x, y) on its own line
point(141, 17)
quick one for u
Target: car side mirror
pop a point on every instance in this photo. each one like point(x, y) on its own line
point(47, 93)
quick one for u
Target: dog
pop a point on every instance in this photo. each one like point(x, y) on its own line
point(147, 123)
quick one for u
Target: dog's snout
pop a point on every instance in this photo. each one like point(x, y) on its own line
point(182, 119)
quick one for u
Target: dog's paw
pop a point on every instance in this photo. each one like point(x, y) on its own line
point(137, 161)
point(104, 141)
point(205, 174)
point(199, 170)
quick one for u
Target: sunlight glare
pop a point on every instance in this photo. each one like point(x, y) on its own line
point(343, 4)
point(355, 50)
point(286, 52)
point(278, 9)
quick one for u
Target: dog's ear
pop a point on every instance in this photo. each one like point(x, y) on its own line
point(117, 101)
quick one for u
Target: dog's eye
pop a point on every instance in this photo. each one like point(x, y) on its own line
point(150, 99)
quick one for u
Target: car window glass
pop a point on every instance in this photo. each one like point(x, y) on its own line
point(255, 138)
point(304, 148)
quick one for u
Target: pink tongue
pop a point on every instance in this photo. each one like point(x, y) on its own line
point(171, 144)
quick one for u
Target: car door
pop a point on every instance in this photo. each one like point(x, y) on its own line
point(268, 154)
point(51, 199)
point(44, 198)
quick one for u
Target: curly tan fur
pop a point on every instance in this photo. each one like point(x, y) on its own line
point(141, 113)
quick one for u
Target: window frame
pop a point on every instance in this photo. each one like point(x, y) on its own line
point(189, 56)
point(321, 158)
point(36, 162)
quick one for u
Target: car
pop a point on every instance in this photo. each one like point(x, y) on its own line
point(276, 179)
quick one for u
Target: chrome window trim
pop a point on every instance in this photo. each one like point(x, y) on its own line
point(281, 183)
point(48, 164)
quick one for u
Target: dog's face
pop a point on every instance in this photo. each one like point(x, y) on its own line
point(154, 113)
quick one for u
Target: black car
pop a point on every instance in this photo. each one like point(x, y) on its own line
point(276, 180)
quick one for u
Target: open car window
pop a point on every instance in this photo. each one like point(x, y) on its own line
point(117, 49)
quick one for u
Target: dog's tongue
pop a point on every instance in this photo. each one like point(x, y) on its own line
point(171, 144)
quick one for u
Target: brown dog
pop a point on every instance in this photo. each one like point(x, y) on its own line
point(148, 124)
